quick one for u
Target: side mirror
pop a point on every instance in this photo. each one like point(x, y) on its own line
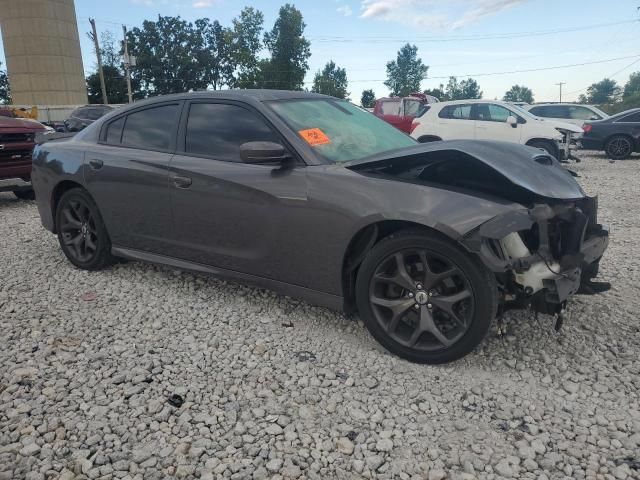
point(594, 117)
point(263, 152)
point(513, 121)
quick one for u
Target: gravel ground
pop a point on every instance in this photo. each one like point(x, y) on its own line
point(276, 388)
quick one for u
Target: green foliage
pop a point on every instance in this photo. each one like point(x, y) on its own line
point(332, 80)
point(437, 92)
point(602, 92)
point(406, 72)
point(519, 93)
point(368, 99)
point(245, 44)
point(5, 93)
point(212, 52)
point(290, 51)
point(115, 83)
point(632, 87)
point(464, 90)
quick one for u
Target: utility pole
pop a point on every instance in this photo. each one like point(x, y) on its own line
point(127, 63)
point(103, 87)
point(560, 84)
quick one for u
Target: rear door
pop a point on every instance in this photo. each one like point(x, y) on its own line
point(390, 110)
point(491, 123)
point(227, 213)
point(455, 122)
point(127, 175)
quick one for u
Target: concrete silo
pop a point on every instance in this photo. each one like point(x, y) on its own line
point(42, 49)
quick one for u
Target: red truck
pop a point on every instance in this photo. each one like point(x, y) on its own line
point(17, 139)
point(400, 111)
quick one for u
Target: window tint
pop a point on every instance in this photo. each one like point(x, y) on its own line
point(152, 128)
point(581, 113)
point(489, 112)
point(82, 112)
point(390, 108)
point(634, 117)
point(96, 113)
point(114, 131)
point(459, 112)
point(218, 130)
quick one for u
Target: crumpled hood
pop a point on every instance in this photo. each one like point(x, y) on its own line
point(560, 124)
point(526, 167)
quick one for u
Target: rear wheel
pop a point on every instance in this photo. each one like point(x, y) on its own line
point(81, 231)
point(25, 194)
point(424, 298)
point(619, 147)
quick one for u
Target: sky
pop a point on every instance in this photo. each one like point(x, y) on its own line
point(491, 40)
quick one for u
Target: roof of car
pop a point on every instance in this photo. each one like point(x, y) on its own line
point(473, 100)
point(560, 104)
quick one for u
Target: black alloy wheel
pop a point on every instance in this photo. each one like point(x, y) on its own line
point(81, 232)
point(426, 299)
point(619, 147)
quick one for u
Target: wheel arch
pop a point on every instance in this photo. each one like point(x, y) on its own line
point(56, 195)
point(365, 239)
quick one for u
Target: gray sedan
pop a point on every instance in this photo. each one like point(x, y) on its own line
point(317, 199)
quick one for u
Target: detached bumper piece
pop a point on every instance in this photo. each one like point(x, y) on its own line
point(543, 255)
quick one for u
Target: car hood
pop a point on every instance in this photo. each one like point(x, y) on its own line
point(527, 168)
point(573, 128)
point(16, 124)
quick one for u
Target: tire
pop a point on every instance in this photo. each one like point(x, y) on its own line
point(82, 234)
point(545, 145)
point(454, 311)
point(619, 147)
point(25, 194)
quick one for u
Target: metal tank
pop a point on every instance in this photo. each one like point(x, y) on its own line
point(42, 51)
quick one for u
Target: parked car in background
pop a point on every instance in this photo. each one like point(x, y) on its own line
point(400, 111)
point(618, 135)
point(493, 120)
point(567, 112)
point(81, 117)
point(309, 195)
point(17, 139)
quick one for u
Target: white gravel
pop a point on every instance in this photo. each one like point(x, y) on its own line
point(276, 388)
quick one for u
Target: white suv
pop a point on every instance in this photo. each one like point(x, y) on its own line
point(493, 120)
point(567, 112)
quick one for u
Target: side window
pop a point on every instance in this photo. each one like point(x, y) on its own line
point(581, 113)
point(390, 108)
point(488, 112)
point(538, 111)
point(457, 112)
point(217, 130)
point(114, 131)
point(81, 113)
point(634, 117)
point(152, 128)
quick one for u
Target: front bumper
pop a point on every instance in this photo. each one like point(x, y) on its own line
point(11, 184)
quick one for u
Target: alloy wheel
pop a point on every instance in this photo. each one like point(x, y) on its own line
point(78, 230)
point(421, 299)
point(620, 147)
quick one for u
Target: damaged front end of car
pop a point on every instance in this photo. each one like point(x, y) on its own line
point(544, 254)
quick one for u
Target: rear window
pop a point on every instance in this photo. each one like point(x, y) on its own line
point(390, 107)
point(152, 128)
point(458, 112)
point(634, 117)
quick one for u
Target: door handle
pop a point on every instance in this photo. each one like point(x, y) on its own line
point(181, 182)
point(96, 164)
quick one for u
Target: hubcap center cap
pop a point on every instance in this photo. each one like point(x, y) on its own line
point(84, 229)
point(422, 298)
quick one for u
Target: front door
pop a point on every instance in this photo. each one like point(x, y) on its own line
point(127, 175)
point(491, 123)
point(229, 214)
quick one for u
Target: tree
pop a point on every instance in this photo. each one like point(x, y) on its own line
point(604, 91)
point(332, 80)
point(437, 92)
point(212, 52)
point(368, 99)
point(632, 87)
point(406, 72)
point(464, 90)
point(289, 50)
point(166, 61)
point(245, 44)
point(5, 93)
point(519, 93)
point(114, 82)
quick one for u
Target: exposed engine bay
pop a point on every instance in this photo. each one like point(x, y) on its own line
point(542, 253)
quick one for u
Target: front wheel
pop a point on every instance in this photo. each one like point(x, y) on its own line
point(619, 147)
point(424, 298)
point(81, 232)
point(548, 147)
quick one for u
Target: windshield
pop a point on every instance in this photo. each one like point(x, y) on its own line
point(339, 131)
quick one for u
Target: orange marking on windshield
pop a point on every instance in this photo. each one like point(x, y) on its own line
point(314, 136)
